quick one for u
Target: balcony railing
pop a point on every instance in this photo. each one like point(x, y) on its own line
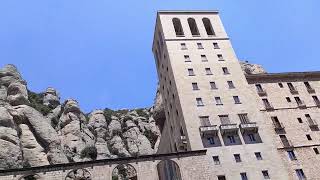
point(209, 130)
point(229, 129)
point(294, 91)
point(262, 92)
point(301, 104)
point(287, 143)
point(278, 126)
point(311, 90)
point(248, 127)
point(312, 123)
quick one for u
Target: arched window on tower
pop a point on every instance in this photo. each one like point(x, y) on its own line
point(208, 26)
point(168, 170)
point(177, 27)
point(193, 27)
point(124, 172)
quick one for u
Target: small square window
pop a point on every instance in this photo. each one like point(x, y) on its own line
point(210, 140)
point(213, 85)
point(195, 86)
point(258, 155)
point(299, 120)
point(183, 46)
point(225, 70)
point(204, 121)
point(204, 58)
point(187, 58)
point(309, 137)
point(230, 84)
point(216, 46)
point(216, 160)
point(218, 101)
point(316, 150)
point(199, 45)
point(280, 85)
point(265, 174)
point(191, 72)
point(208, 71)
point(199, 102)
point(288, 99)
point(237, 157)
point(220, 57)
point(244, 176)
point(236, 100)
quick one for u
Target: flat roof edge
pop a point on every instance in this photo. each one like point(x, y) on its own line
point(187, 11)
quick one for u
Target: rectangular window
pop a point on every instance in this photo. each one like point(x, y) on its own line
point(316, 100)
point(259, 88)
point(224, 119)
point(244, 176)
point(204, 121)
point(195, 86)
point(237, 157)
point(199, 102)
point(221, 177)
point(231, 139)
point(300, 174)
point(220, 57)
point(204, 58)
point(292, 155)
point(316, 150)
point(236, 100)
point(288, 99)
point(285, 141)
point(243, 118)
point(218, 101)
point(308, 86)
point(210, 140)
point(280, 85)
point(199, 45)
point(183, 46)
point(265, 174)
point(187, 58)
point(213, 85)
point(266, 103)
point(258, 155)
point(299, 120)
point(216, 160)
point(309, 137)
point(230, 84)
point(190, 72)
point(298, 100)
point(216, 46)
point(208, 71)
point(291, 87)
point(225, 70)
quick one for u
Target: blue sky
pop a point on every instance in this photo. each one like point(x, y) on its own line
point(99, 52)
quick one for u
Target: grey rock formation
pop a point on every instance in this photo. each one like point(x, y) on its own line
point(249, 68)
point(9, 74)
point(17, 94)
point(73, 130)
point(51, 97)
point(158, 109)
point(36, 129)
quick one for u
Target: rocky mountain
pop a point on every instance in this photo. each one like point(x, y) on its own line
point(37, 129)
point(249, 68)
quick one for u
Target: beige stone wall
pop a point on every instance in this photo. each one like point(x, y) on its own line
point(181, 86)
point(287, 113)
point(146, 169)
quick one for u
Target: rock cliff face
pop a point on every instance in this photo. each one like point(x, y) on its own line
point(249, 68)
point(37, 129)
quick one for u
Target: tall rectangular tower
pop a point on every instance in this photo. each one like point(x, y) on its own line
point(208, 102)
